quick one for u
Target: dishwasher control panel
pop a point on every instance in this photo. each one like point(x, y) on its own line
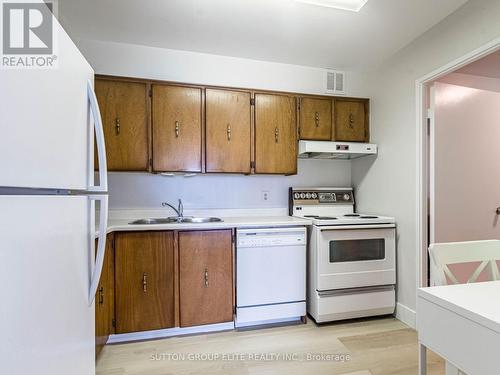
point(270, 238)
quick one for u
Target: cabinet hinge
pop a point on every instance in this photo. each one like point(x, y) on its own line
point(113, 322)
point(151, 162)
point(252, 101)
point(252, 164)
point(150, 93)
point(232, 237)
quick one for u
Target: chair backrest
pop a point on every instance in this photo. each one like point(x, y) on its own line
point(444, 254)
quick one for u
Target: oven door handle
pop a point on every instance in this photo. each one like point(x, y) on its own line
point(359, 226)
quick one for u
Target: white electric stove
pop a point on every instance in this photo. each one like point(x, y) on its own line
point(351, 256)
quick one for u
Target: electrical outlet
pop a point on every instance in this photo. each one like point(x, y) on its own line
point(265, 195)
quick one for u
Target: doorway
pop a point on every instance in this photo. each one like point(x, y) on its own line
point(457, 131)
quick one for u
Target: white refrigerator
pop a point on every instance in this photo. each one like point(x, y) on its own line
point(49, 270)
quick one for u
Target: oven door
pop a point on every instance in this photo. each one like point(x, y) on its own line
point(356, 256)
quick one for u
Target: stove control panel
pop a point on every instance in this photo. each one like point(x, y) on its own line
point(318, 196)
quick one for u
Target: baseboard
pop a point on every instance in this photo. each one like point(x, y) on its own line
point(406, 315)
point(169, 332)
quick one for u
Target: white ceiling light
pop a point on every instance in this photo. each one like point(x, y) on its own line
point(352, 5)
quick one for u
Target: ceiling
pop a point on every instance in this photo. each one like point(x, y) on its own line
point(488, 66)
point(272, 30)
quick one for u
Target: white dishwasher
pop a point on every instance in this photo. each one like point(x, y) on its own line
point(270, 275)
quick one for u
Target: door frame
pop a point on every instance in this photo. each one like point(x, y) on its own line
point(422, 100)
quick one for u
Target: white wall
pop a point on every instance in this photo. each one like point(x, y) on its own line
point(466, 156)
point(141, 190)
point(388, 185)
point(192, 67)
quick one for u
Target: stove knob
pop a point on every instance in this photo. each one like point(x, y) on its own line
point(308, 195)
point(296, 195)
point(314, 195)
point(302, 195)
point(347, 197)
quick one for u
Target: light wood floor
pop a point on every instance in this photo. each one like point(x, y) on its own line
point(364, 347)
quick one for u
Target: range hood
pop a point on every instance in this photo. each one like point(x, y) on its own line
point(335, 150)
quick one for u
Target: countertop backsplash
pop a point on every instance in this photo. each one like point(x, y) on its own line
point(146, 191)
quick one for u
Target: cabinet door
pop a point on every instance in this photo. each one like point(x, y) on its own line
point(144, 272)
point(105, 298)
point(275, 134)
point(228, 131)
point(351, 120)
point(123, 108)
point(176, 128)
point(316, 119)
point(206, 277)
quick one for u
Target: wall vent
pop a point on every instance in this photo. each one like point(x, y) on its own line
point(335, 82)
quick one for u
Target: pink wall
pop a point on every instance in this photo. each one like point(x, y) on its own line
point(474, 82)
point(467, 163)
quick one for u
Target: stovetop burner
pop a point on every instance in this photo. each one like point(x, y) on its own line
point(331, 207)
point(353, 216)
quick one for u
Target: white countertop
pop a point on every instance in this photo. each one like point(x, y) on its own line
point(228, 222)
point(119, 221)
point(478, 302)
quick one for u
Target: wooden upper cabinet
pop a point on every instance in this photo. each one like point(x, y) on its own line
point(228, 131)
point(177, 128)
point(206, 277)
point(275, 134)
point(124, 112)
point(316, 119)
point(105, 298)
point(351, 120)
point(144, 274)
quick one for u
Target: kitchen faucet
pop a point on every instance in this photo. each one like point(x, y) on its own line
point(179, 210)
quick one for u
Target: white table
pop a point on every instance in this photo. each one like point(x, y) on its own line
point(461, 323)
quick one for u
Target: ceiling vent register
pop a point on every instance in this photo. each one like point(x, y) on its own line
point(335, 82)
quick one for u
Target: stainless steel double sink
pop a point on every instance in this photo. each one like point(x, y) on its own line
point(176, 220)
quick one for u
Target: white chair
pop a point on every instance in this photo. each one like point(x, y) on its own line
point(443, 255)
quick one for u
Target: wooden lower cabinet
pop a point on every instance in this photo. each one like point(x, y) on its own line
point(144, 274)
point(206, 277)
point(164, 279)
point(105, 298)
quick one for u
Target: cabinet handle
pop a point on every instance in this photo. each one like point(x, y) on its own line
point(117, 126)
point(228, 132)
point(144, 282)
point(316, 119)
point(206, 277)
point(177, 129)
point(351, 120)
point(276, 135)
point(101, 295)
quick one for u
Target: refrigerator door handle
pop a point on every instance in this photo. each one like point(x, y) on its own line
point(101, 244)
point(101, 146)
